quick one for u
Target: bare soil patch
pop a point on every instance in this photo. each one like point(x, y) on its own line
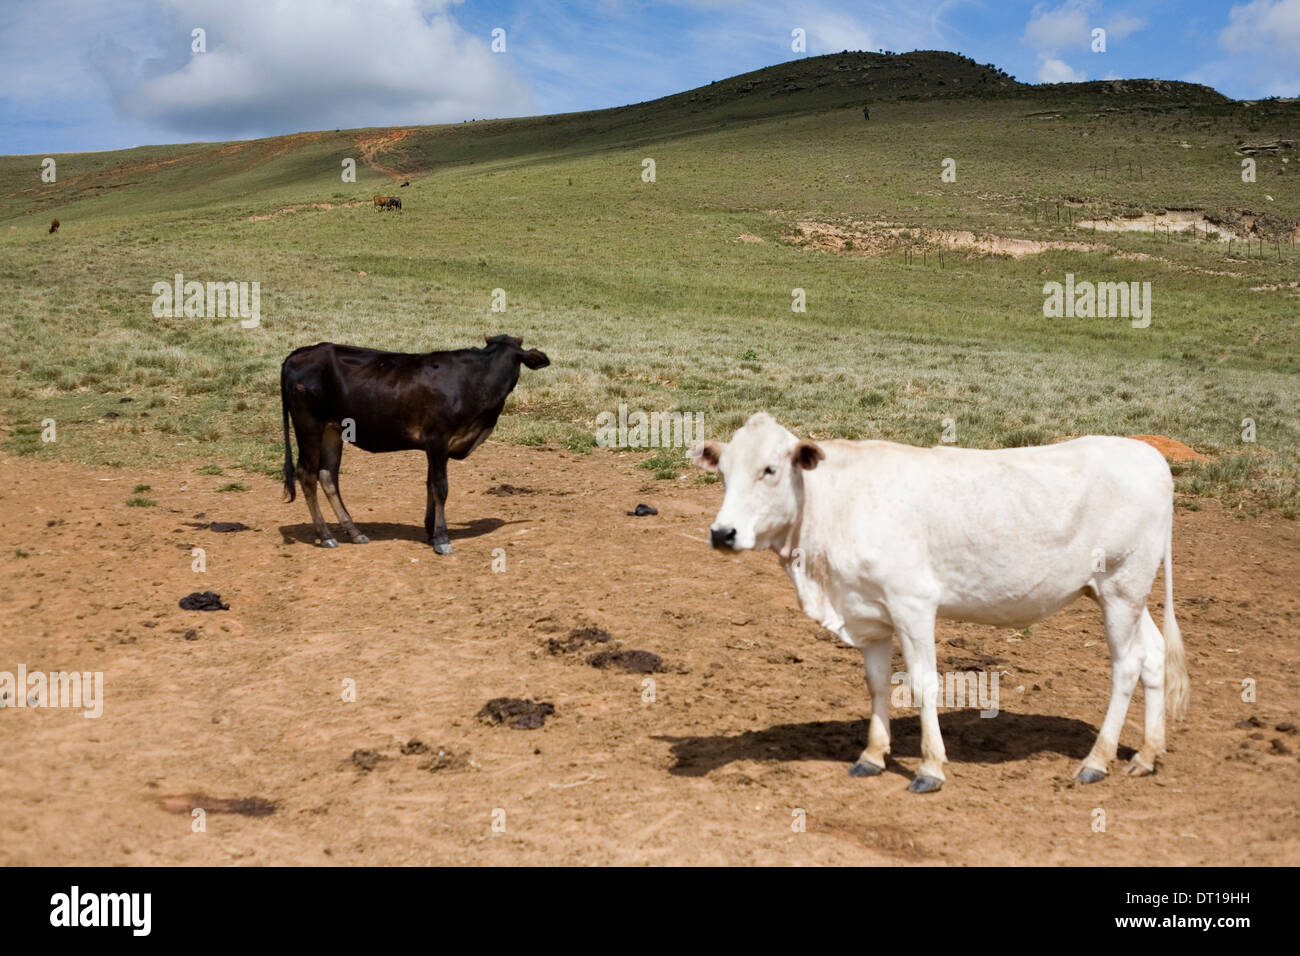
point(299, 207)
point(1238, 225)
point(878, 238)
point(1172, 448)
point(371, 145)
point(759, 715)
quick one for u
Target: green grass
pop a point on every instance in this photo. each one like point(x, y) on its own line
point(667, 463)
point(641, 295)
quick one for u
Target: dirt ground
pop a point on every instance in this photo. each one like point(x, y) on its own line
point(756, 713)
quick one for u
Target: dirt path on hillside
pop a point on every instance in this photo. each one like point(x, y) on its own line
point(373, 144)
point(756, 714)
point(299, 207)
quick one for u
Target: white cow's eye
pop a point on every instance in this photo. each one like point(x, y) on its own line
point(769, 470)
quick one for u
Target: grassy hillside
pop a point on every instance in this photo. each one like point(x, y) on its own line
point(644, 293)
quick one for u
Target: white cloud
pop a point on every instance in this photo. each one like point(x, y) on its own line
point(1122, 26)
point(1262, 39)
point(1054, 31)
point(1264, 26)
point(830, 33)
point(313, 64)
point(1051, 31)
point(1052, 70)
point(1066, 27)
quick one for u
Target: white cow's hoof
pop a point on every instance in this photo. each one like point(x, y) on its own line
point(360, 539)
point(328, 543)
point(442, 548)
point(1089, 775)
point(925, 785)
point(864, 769)
point(1139, 769)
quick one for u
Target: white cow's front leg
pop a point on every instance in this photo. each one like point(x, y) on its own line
point(915, 629)
point(878, 656)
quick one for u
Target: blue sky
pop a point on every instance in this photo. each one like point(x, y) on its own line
point(107, 74)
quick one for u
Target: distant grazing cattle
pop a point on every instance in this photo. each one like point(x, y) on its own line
point(381, 202)
point(407, 183)
point(866, 113)
point(394, 202)
point(880, 539)
point(443, 403)
point(54, 226)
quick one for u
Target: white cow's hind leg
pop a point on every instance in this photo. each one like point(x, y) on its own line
point(1124, 636)
point(1153, 697)
point(915, 630)
point(878, 656)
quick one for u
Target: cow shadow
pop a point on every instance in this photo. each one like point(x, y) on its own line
point(967, 737)
point(305, 533)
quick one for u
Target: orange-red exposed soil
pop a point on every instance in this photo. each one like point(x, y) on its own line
point(1172, 448)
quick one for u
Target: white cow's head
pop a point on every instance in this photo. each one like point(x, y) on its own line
point(763, 468)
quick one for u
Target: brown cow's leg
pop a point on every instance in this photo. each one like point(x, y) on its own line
point(308, 472)
point(331, 456)
point(435, 513)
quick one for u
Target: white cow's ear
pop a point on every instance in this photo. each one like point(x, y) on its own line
point(807, 454)
point(706, 455)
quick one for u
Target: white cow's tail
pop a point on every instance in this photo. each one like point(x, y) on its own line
point(1176, 685)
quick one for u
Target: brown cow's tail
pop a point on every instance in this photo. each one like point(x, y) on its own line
point(290, 492)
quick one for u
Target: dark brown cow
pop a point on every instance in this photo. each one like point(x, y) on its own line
point(54, 226)
point(394, 203)
point(443, 403)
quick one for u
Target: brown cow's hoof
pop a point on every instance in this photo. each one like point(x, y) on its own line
point(864, 769)
point(925, 785)
point(442, 548)
point(1088, 775)
point(329, 543)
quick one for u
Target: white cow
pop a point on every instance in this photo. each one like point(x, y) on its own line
point(880, 539)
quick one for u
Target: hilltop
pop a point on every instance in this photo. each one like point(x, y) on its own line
point(808, 85)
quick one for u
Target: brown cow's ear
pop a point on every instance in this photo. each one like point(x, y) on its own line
point(807, 454)
point(535, 358)
point(706, 455)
